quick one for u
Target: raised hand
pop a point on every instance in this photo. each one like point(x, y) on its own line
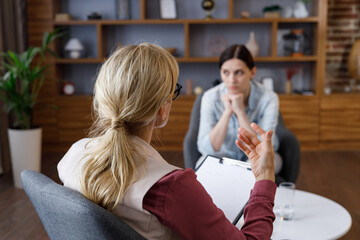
point(260, 153)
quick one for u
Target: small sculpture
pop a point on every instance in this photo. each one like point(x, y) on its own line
point(208, 6)
point(94, 16)
point(244, 14)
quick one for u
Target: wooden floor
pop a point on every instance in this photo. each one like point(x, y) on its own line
point(335, 175)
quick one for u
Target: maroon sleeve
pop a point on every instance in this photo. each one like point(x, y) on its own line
point(258, 213)
point(181, 203)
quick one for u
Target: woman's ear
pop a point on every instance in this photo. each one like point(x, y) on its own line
point(160, 120)
point(162, 113)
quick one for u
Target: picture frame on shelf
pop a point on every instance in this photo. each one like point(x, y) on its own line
point(168, 9)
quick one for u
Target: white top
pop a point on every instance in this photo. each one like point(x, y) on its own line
point(316, 217)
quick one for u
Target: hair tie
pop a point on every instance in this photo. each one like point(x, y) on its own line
point(117, 124)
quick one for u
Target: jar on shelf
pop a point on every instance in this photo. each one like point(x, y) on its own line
point(296, 43)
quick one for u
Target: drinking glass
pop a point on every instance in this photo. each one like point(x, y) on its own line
point(286, 193)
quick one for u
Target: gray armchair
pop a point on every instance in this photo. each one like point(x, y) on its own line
point(67, 214)
point(289, 148)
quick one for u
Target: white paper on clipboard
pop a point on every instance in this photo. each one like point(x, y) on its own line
point(228, 182)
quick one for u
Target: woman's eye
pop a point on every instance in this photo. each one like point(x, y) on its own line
point(239, 72)
point(226, 72)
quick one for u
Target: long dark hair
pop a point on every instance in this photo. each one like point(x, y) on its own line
point(237, 51)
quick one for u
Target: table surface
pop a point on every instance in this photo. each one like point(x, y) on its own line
point(316, 217)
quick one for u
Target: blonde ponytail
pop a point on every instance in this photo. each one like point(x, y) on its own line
point(131, 87)
point(107, 177)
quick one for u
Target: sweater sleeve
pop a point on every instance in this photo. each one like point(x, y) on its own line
point(181, 203)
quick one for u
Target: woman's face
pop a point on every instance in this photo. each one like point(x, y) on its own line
point(236, 76)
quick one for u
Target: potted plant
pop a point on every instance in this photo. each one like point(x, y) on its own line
point(20, 85)
point(272, 11)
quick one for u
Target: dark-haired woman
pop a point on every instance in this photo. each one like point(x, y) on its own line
point(236, 102)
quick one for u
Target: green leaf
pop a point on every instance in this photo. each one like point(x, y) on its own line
point(50, 36)
point(52, 52)
point(9, 107)
point(15, 57)
point(30, 55)
point(22, 80)
point(46, 39)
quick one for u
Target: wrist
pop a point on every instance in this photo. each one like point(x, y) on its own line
point(240, 113)
point(266, 175)
point(227, 113)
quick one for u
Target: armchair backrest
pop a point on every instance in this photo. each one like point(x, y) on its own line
point(67, 214)
point(191, 153)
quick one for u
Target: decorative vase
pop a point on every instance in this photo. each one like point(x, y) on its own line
point(300, 10)
point(123, 9)
point(288, 87)
point(252, 45)
point(353, 63)
point(25, 151)
point(189, 87)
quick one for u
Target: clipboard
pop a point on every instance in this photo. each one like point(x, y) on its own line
point(229, 183)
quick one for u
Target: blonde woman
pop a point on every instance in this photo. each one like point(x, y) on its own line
point(119, 170)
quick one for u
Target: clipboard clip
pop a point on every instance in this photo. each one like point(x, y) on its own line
point(233, 162)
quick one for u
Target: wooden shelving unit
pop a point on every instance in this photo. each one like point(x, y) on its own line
point(301, 113)
point(194, 60)
point(186, 23)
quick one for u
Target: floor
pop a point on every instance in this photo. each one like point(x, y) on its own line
point(335, 175)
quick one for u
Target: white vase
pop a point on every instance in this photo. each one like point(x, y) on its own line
point(300, 10)
point(25, 151)
point(252, 45)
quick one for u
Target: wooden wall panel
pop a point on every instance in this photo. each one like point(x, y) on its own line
point(339, 127)
point(340, 122)
point(40, 16)
point(300, 114)
point(74, 118)
point(171, 137)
